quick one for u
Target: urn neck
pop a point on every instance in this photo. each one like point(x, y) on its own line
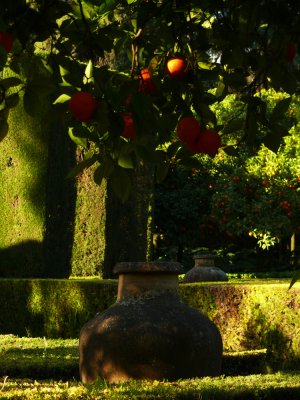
point(204, 261)
point(136, 284)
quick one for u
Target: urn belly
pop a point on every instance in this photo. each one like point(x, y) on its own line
point(149, 333)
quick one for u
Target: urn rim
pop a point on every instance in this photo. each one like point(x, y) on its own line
point(148, 267)
point(204, 256)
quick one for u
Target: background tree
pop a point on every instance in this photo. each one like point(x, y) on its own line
point(231, 46)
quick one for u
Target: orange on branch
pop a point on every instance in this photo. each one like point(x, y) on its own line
point(177, 67)
point(147, 84)
point(83, 105)
point(129, 131)
point(290, 52)
point(188, 129)
point(209, 142)
point(6, 41)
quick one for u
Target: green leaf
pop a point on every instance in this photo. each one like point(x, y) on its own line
point(12, 100)
point(289, 83)
point(206, 113)
point(162, 171)
point(206, 65)
point(220, 89)
point(125, 161)
point(3, 57)
point(10, 82)
point(173, 148)
point(231, 150)
point(3, 128)
point(145, 153)
point(282, 78)
point(89, 73)
point(63, 98)
point(273, 140)
point(104, 170)
point(121, 184)
point(42, 86)
point(280, 109)
point(233, 126)
point(80, 141)
point(86, 163)
point(70, 72)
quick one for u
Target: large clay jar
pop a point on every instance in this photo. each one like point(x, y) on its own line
point(149, 333)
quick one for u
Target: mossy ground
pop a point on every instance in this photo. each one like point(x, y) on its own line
point(253, 387)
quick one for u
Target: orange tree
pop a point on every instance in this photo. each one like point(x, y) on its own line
point(229, 45)
point(65, 47)
point(248, 201)
point(258, 195)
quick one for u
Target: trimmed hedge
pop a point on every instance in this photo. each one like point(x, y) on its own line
point(249, 315)
point(23, 163)
point(253, 316)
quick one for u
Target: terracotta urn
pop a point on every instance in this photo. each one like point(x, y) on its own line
point(204, 270)
point(149, 333)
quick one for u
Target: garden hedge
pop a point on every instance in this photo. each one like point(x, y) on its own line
point(250, 316)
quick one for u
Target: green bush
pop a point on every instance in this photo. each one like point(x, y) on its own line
point(258, 315)
point(252, 316)
point(52, 308)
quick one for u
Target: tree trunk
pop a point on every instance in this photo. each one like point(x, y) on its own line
point(128, 225)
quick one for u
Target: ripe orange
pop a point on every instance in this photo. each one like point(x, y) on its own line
point(194, 147)
point(129, 131)
point(290, 52)
point(147, 84)
point(6, 41)
point(146, 74)
point(177, 67)
point(209, 142)
point(188, 130)
point(82, 106)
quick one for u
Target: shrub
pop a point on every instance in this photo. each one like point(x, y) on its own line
point(249, 315)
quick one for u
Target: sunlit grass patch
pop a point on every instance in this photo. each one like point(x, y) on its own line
point(268, 387)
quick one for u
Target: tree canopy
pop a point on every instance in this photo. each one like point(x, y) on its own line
point(104, 65)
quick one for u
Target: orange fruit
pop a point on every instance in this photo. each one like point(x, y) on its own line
point(147, 84)
point(82, 106)
point(209, 142)
point(188, 130)
point(6, 41)
point(129, 131)
point(177, 67)
point(290, 52)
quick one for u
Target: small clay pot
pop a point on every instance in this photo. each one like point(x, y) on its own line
point(149, 333)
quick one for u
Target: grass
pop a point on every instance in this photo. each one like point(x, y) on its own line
point(267, 387)
point(43, 358)
point(40, 368)
point(39, 357)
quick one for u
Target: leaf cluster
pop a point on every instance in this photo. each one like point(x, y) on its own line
point(230, 48)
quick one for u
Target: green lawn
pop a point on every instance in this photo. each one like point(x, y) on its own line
point(26, 362)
